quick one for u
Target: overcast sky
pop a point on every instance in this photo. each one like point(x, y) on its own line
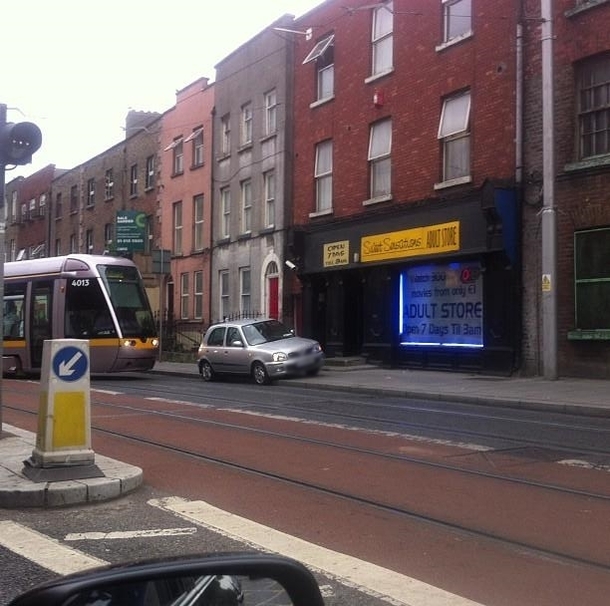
point(76, 67)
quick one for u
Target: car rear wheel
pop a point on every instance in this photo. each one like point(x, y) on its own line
point(207, 373)
point(259, 374)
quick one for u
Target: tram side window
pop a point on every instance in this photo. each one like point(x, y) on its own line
point(13, 314)
point(87, 314)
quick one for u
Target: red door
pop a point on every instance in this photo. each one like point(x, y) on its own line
point(273, 285)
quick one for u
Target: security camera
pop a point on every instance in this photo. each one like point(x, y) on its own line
point(290, 265)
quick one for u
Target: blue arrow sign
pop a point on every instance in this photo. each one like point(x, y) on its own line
point(70, 363)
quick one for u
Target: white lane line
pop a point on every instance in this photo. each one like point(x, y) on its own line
point(129, 534)
point(368, 578)
point(43, 550)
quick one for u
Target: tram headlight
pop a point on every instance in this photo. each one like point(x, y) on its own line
point(129, 343)
point(155, 342)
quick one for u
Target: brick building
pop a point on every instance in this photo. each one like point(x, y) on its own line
point(581, 66)
point(406, 197)
point(185, 206)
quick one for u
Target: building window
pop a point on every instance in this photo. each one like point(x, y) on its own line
point(24, 212)
point(198, 295)
point(14, 206)
point(198, 222)
point(454, 133)
point(225, 135)
point(57, 247)
point(324, 176)
point(73, 246)
point(457, 19)
point(594, 107)
point(150, 172)
point(323, 54)
point(108, 234)
point(380, 161)
point(184, 296)
point(270, 112)
point(91, 192)
point(89, 242)
point(108, 185)
point(244, 290)
point(33, 212)
point(58, 206)
point(42, 205)
point(382, 39)
point(269, 189)
point(177, 148)
point(246, 206)
point(225, 204)
point(224, 294)
point(133, 180)
point(592, 279)
point(196, 140)
point(245, 130)
point(177, 228)
point(74, 199)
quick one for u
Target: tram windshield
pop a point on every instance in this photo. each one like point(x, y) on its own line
point(128, 299)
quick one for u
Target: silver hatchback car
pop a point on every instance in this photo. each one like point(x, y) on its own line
point(262, 348)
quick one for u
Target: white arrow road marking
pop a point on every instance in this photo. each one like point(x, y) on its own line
point(397, 589)
point(65, 368)
point(129, 534)
point(43, 550)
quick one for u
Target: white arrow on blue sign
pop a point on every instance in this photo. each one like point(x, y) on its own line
point(70, 363)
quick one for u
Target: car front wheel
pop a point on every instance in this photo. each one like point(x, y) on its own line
point(207, 373)
point(259, 374)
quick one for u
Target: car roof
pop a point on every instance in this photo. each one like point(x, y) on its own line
point(242, 322)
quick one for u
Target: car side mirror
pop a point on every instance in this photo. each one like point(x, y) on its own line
point(198, 581)
point(236, 343)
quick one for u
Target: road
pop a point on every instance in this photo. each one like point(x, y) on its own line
point(495, 506)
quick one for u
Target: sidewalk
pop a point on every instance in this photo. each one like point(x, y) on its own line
point(577, 396)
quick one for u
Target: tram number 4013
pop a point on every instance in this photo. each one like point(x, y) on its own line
point(81, 282)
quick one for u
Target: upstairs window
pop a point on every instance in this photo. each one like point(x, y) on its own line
point(225, 135)
point(73, 199)
point(245, 131)
point(178, 159)
point(269, 190)
point(270, 112)
point(457, 19)
point(133, 180)
point(225, 205)
point(383, 39)
point(198, 222)
point(593, 81)
point(324, 176)
point(323, 54)
point(91, 192)
point(108, 185)
point(150, 172)
point(246, 206)
point(177, 228)
point(380, 163)
point(196, 140)
point(454, 134)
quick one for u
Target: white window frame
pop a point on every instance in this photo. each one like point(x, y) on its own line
point(89, 242)
point(269, 184)
point(224, 293)
point(198, 223)
point(108, 233)
point(108, 185)
point(197, 146)
point(225, 206)
point(454, 133)
point(198, 295)
point(42, 205)
point(245, 290)
point(246, 206)
point(225, 135)
point(133, 180)
point(184, 296)
point(177, 228)
point(319, 48)
point(178, 157)
point(457, 20)
point(380, 159)
point(245, 129)
point(382, 39)
point(323, 175)
point(270, 112)
point(150, 172)
point(326, 82)
point(91, 192)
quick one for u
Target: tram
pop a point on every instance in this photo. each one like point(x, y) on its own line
point(95, 297)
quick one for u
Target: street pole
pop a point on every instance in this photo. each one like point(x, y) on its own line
point(2, 258)
point(549, 212)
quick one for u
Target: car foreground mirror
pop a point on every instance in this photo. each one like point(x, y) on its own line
point(215, 580)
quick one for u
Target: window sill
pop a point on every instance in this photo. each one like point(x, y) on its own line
point(173, 175)
point(224, 156)
point(266, 138)
point(585, 5)
point(90, 207)
point(245, 236)
point(267, 230)
point(453, 182)
point(321, 213)
point(196, 166)
point(245, 147)
point(453, 41)
point(109, 199)
point(374, 77)
point(601, 334)
point(377, 200)
point(223, 241)
point(321, 102)
point(593, 162)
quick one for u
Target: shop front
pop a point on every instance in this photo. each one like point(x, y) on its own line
point(434, 287)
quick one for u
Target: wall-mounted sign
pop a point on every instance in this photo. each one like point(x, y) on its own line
point(426, 240)
point(336, 253)
point(130, 230)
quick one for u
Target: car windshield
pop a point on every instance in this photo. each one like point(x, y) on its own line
point(265, 332)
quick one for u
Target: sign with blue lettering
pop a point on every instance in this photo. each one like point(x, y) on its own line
point(70, 363)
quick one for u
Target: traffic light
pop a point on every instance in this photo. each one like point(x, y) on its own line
point(18, 141)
